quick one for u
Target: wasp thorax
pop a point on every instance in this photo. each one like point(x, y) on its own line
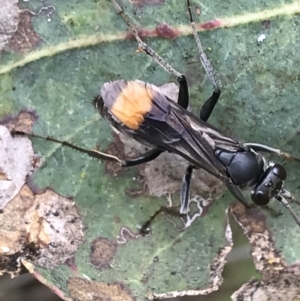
point(244, 167)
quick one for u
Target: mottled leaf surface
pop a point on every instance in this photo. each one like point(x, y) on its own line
point(76, 47)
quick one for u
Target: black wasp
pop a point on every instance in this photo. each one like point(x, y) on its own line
point(141, 111)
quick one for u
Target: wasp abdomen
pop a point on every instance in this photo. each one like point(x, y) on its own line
point(130, 101)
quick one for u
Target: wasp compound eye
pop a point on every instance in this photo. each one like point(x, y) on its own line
point(279, 171)
point(269, 185)
point(260, 197)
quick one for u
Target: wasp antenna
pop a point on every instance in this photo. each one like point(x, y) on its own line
point(142, 46)
point(288, 156)
point(91, 152)
point(264, 148)
point(286, 204)
point(202, 56)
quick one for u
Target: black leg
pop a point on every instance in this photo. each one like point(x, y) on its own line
point(184, 199)
point(91, 152)
point(202, 56)
point(144, 158)
point(183, 96)
point(209, 105)
point(185, 190)
point(142, 45)
point(145, 227)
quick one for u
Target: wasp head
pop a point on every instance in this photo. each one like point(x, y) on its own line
point(270, 185)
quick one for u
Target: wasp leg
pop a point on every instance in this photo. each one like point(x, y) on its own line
point(202, 56)
point(184, 199)
point(144, 158)
point(183, 96)
point(91, 152)
point(209, 105)
point(185, 190)
point(145, 227)
point(142, 46)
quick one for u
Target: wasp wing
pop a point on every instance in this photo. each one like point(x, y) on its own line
point(170, 127)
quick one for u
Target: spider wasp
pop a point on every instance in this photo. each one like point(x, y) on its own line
point(141, 111)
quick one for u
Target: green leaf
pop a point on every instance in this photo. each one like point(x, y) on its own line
point(82, 45)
